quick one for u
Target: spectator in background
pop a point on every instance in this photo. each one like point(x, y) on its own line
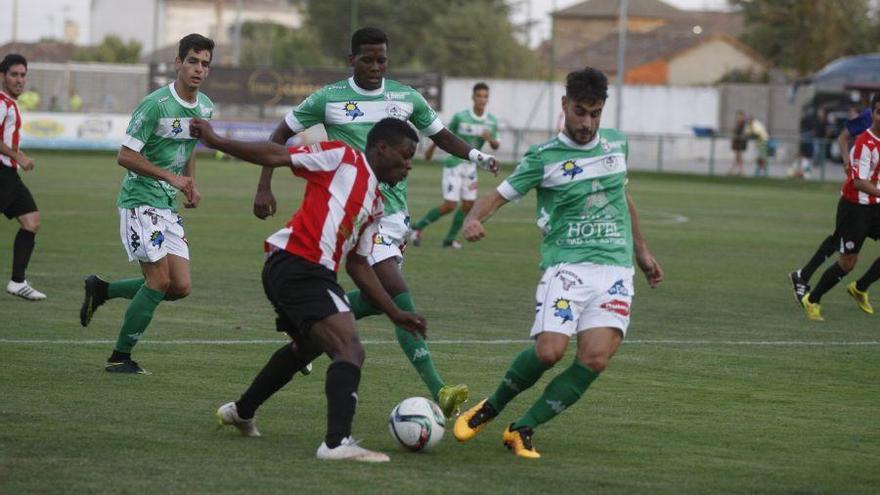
point(75, 102)
point(738, 144)
point(29, 100)
point(756, 130)
point(821, 133)
point(53, 104)
point(856, 124)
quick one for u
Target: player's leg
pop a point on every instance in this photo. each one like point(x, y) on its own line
point(800, 279)
point(457, 222)
point(859, 289)
point(337, 337)
point(467, 193)
point(22, 207)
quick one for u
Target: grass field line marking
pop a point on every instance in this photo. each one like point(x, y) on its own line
point(673, 342)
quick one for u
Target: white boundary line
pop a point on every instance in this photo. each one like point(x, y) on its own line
point(780, 343)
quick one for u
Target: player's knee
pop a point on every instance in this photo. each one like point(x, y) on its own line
point(159, 282)
point(847, 262)
point(352, 352)
point(447, 207)
point(178, 291)
point(31, 224)
point(595, 361)
point(549, 356)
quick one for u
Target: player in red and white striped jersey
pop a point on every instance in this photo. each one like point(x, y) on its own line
point(335, 221)
point(16, 200)
point(858, 217)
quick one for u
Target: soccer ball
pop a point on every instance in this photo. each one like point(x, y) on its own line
point(417, 423)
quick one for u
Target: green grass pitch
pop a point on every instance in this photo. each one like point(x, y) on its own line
point(723, 386)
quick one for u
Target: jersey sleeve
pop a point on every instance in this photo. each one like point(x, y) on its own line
point(528, 175)
point(424, 117)
point(142, 125)
point(308, 113)
point(325, 156)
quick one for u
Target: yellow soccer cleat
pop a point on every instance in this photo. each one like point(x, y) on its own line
point(470, 422)
point(520, 442)
point(813, 310)
point(860, 297)
point(451, 397)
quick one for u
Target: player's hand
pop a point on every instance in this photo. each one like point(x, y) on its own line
point(473, 230)
point(25, 162)
point(650, 267)
point(194, 202)
point(183, 184)
point(264, 204)
point(413, 323)
point(201, 129)
point(487, 136)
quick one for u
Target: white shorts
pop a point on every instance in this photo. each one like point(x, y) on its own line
point(573, 297)
point(460, 182)
point(149, 234)
point(389, 236)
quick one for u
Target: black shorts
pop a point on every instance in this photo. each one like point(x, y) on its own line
point(854, 224)
point(301, 292)
point(15, 198)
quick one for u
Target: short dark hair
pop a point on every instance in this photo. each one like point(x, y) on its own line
point(588, 84)
point(479, 86)
point(874, 101)
point(367, 36)
point(392, 131)
point(195, 42)
point(10, 60)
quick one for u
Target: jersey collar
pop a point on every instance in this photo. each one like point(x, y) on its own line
point(477, 117)
point(571, 144)
point(366, 92)
point(4, 93)
point(180, 100)
point(872, 134)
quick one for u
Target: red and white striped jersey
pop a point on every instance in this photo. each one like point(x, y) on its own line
point(341, 199)
point(10, 123)
point(864, 161)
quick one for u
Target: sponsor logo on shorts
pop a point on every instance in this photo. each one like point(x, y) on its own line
point(538, 306)
point(616, 306)
point(568, 279)
point(157, 238)
point(134, 240)
point(379, 240)
point(618, 289)
point(849, 245)
point(563, 310)
point(154, 217)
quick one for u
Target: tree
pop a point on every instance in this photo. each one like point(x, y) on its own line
point(266, 43)
point(804, 35)
point(111, 50)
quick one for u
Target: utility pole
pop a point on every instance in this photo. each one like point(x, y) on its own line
point(621, 65)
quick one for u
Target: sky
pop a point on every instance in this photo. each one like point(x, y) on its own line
point(45, 18)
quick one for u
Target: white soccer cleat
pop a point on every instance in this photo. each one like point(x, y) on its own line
point(227, 415)
point(24, 291)
point(350, 450)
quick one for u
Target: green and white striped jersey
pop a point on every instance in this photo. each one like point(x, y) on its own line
point(348, 112)
point(582, 208)
point(469, 127)
point(159, 130)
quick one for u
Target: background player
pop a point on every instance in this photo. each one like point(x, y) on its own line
point(342, 200)
point(858, 217)
point(16, 200)
point(589, 240)
point(348, 109)
point(158, 154)
point(475, 126)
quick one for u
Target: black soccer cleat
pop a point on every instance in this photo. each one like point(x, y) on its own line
point(799, 286)
point(125, 366)
point(96, 295)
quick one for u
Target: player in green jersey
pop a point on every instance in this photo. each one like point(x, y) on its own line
point(158, 156)
point(591, 229)
point(348, 109)
point(476, 126)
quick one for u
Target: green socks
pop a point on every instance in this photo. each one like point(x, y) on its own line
point(416, 349)
point(525, 370)
point(125, 289)
point(137, 317)
point(428, 219)
point(561, 392)
point(457, 221)
point(359, 306)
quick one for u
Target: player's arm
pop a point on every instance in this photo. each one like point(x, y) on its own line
point(267, 154)
point(190, 171)
point(264, 200)
point(365, 278)
point(137, 163)
point(843, 145)
point(646, 261)
point(482, 210)
point(454, 145)
point(24, 161)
